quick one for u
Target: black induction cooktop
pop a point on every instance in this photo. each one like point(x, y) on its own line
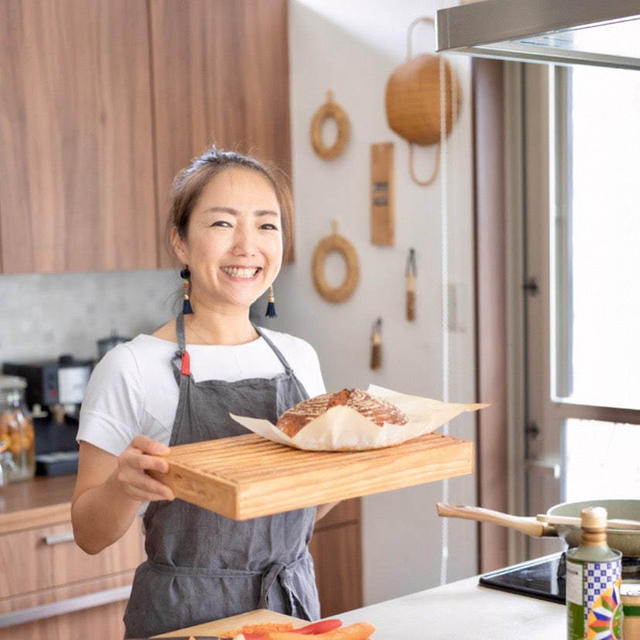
point(542, 578)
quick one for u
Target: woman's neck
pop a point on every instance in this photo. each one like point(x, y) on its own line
point(212, 326)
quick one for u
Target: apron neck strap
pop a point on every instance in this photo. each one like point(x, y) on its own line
point(275, 349)
point(182, 353)
point(180, 332)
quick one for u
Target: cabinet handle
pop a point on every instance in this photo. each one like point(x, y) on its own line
point(57, 538)
point(65, 606)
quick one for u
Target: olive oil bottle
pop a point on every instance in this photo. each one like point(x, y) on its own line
point(594, 574)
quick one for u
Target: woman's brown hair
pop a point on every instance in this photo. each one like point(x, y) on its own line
point(191, 181)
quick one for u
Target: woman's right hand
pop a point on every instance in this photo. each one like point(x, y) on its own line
point(140, 456)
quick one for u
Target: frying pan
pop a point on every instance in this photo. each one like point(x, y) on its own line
point(624, 540)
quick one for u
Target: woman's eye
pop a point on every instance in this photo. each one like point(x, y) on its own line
point(220, 223)
point(269, 227)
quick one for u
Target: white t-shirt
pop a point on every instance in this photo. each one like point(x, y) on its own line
point(133, 391)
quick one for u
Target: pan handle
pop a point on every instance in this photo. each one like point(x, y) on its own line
point(530, 526)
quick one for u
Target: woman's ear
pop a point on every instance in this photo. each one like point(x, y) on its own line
point(178, 246)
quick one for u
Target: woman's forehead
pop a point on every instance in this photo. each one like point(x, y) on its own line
point(247, 188)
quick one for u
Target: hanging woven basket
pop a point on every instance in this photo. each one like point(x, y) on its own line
point(413, 98)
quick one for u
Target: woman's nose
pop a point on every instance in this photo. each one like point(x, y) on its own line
point(244, 240)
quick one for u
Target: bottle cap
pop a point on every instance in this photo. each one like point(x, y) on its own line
point(594, 518)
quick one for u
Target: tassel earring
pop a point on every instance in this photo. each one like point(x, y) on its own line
point(271, 306)
point(185, 274)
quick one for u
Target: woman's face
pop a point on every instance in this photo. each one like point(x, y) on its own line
point(233, 245)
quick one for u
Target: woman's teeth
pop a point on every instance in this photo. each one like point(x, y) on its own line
point(238, 272)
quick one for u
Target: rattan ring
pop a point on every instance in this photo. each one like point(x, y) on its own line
point(329, 109)
point(339, 244)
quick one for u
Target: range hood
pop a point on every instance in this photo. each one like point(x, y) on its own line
point(594, 32)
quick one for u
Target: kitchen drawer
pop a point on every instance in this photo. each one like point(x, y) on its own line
point(98, 623)
point(47, 557)
point(57, 601)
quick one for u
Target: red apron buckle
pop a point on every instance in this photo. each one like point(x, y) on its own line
point(185, 369)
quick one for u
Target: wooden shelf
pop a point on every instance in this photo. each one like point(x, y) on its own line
point(248, 476)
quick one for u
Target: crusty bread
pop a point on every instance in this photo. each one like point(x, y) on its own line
point(370, 407)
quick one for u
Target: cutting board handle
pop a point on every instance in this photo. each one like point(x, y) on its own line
point(530, 526)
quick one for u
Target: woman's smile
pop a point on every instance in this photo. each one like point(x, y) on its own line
point(242, 273)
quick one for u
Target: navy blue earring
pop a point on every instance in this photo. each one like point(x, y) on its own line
point(271, 306)
point(185, 274)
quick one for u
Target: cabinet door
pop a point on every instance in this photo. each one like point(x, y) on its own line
point(337, 555)
point(76, 160)
point(220, 76)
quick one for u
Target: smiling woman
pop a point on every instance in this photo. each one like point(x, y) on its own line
point(229, 226)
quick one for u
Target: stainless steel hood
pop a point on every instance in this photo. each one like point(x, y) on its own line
point(595, 32)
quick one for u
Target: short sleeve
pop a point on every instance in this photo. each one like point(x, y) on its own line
point(110, 416)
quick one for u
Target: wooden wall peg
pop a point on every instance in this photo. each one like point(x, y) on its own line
point(382, 219)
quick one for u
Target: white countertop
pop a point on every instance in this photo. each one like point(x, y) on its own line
point(462, 611)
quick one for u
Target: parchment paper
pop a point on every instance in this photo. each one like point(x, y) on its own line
point(343, 428)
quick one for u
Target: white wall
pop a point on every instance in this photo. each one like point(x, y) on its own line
point(351, 48)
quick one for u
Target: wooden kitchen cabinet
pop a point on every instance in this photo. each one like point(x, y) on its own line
point(76, 151)
point(337, 554)
point(50, 588)
point(103, 101)
point(220, 76)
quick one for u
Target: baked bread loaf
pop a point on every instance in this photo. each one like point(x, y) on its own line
point(370, 407)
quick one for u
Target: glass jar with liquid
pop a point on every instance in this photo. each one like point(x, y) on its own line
point(17, 437)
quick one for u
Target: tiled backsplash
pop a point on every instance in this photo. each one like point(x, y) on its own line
point(45, 315)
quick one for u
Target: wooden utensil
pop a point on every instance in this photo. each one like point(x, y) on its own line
point(525, 524)
point(249, 476)
point(382, 196)
point(629, 525)
point(376, 345)
point(410, 276)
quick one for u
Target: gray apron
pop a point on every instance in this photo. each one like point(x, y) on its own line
point(200, 565)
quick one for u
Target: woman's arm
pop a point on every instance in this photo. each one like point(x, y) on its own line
point(110, 489)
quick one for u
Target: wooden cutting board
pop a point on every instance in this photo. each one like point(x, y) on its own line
point(248, 476)
point(258, 616)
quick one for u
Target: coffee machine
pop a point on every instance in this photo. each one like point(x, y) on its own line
point(55, 390)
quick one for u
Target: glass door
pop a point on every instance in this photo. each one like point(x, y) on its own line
point(581, 226)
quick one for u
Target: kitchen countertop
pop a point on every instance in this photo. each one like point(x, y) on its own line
point(41, 501)
point(462, 610)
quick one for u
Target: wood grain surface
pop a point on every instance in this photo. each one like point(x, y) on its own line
point(258, 616)
point(76, 167)
point(248, 476)
point(48, 566)
point(382, 194)
point(37, 502)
